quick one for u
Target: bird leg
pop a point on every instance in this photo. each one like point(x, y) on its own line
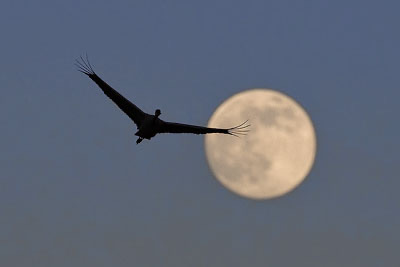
point(139, 140)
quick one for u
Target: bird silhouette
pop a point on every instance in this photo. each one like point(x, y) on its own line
point(149, 125)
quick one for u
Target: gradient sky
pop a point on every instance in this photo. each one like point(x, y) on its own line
point(75, 189)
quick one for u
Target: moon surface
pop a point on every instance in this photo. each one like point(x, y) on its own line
point(274, 157)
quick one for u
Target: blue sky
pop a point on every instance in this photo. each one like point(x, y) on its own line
point(75, 190)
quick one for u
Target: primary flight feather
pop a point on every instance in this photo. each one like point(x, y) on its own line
point(149, 125)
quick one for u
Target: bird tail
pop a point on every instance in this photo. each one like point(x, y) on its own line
point(239, 130)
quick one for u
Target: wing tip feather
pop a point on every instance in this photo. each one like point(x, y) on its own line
point(83, 65)
point(239, 130)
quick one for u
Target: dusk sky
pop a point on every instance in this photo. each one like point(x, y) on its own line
point(75, 189)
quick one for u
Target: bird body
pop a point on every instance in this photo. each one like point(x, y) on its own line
point(150, 125)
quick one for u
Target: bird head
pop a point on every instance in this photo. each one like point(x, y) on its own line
point(157, 113)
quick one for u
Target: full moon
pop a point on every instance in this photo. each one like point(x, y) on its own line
point(274, 157)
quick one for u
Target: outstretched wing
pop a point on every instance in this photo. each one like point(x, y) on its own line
point(173, 127)
point(130, 109)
